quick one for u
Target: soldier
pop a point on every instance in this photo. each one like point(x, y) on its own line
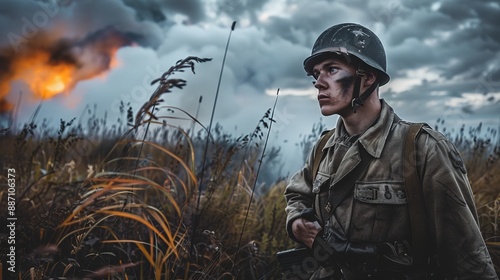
point(360, 199)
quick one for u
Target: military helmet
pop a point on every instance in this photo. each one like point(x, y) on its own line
point(350, 39)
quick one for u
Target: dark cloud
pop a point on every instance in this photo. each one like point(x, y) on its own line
point(236, 8)
point(147, 10)
point(420, 25)
point(417, 4)
point(456, 39)
point(457, 10)
point(194, 9)
point(78, 38)
point(26, 19)
point(309, 20)
point(162, 10)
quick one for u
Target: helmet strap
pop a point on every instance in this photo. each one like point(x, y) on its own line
point(358, 100)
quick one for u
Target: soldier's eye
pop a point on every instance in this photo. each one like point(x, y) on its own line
point(333, 70)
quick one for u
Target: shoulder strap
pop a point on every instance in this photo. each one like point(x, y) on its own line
point(414, 196)
point(318, 154)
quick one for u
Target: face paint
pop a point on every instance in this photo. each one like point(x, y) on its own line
point(345, 81)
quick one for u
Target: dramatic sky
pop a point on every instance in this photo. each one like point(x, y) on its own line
point(443, 58)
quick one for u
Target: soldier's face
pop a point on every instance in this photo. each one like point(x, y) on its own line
point(335, 82)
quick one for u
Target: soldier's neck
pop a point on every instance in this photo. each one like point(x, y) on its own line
point(357, 123)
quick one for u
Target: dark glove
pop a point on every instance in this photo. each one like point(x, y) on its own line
point(339, 249)
point(395, 255)
point(336, 247)
point(309, 215)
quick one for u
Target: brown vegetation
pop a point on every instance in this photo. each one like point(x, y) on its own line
point(123, 202)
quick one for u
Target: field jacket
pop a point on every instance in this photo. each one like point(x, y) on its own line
point(376, 210)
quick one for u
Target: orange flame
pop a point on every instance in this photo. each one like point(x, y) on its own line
point(44, 79)
point(56, 80)
point(48, 80)
point(56, 66)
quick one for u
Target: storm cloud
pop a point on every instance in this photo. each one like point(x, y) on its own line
point(443, 56)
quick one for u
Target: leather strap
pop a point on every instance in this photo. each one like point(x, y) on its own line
point(415, 197)
point(358, 98)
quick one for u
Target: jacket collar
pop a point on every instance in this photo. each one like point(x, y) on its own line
point(374, 138)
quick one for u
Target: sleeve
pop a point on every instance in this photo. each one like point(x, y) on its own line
point(451, 212)
point(298, 194)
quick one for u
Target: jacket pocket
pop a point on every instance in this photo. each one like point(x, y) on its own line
point(379, 212)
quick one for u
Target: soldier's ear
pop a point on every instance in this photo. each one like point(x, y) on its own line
point(370, 78)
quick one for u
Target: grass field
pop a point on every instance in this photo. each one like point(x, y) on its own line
point(133, 200)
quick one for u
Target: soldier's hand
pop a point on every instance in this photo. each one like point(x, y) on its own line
point(305, 230)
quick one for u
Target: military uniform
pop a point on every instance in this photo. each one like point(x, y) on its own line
point(376, 209)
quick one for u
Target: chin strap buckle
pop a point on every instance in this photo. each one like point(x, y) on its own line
point(355, 103)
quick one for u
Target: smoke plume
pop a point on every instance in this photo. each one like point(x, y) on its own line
point(51, 45)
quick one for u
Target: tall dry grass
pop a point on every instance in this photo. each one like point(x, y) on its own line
point(480, 149)
point(119, 201)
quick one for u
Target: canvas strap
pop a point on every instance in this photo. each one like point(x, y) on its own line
point(415, 197)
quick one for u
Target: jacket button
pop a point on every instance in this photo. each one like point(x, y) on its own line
point(387, 194)
point(328, 207)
